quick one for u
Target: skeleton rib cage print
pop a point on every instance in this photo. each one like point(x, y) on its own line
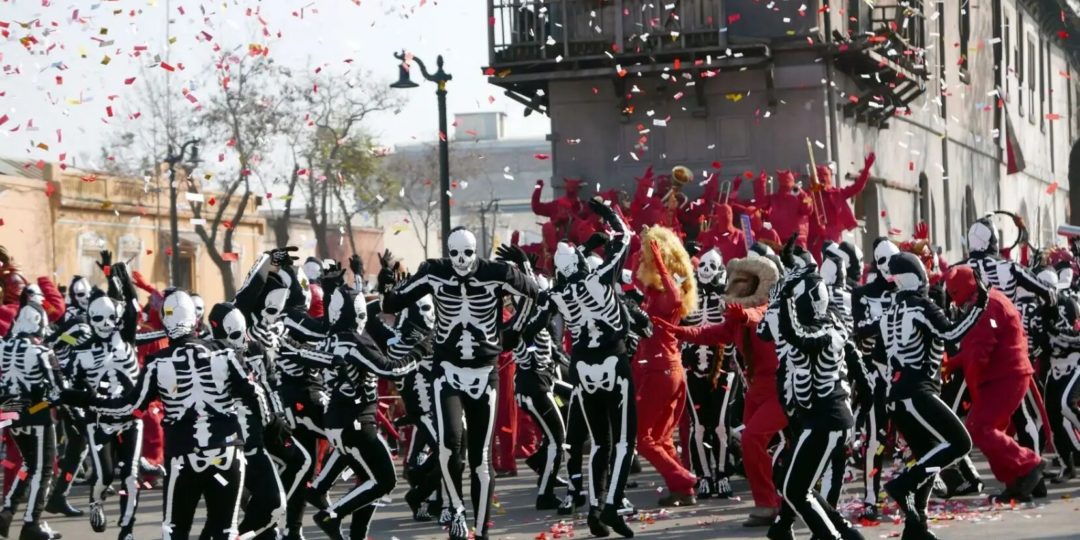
point(27, 369)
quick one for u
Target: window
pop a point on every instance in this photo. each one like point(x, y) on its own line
point(1042, 88)
point(185, 278)
point(129, 250)
point(1031, 78)
point(90, 245)
point(965, 35)
point(1020, 62)
point(1005, 52)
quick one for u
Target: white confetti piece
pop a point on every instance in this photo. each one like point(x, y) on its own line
point(193, 197)
point(221, 480)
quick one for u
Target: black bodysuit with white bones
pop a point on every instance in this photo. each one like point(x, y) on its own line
point(30, 373)
point(107, 366)
point(198, 384)
point(468, 294)
point(710, 382)
point(358, 363)
point(263, 298)
point(1063, 383)
point(914, 331)
point(593, 312)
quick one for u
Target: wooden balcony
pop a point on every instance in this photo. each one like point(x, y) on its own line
point(886, 64)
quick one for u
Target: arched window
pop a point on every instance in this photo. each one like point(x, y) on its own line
point(89, 246)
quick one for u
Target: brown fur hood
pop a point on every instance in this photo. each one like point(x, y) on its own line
point(756, 268)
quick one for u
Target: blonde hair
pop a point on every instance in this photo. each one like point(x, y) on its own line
point(677, 262)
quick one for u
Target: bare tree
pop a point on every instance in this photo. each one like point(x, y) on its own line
point(247, 115)
point(417, 172)
point(343, 153)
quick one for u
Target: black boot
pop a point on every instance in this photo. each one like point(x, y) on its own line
point(596, 528)
point(58, 504)
point(547, 501)
point(316, 498)
point(6, 515)
point(610, 516)
point(917, 529)
point(331, 525)
point(34, 531)
point(97, 517)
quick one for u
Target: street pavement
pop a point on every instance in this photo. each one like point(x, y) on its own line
point(1055, 517)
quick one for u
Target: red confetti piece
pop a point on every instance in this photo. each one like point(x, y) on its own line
point(168, 251)
point(229, 256)
point(3, 119)
point(108, 111)
point(167, 67)
point(129, 81)
point(733, 18)
point(22, 474)
point(50, 188)
point(299, 406)
point(541, 157)
point(212, 201)
point(717, 165)
point(1051, 188)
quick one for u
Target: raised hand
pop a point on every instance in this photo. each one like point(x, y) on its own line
point(106, 261)
point(869, 161)
point(283, 256)
point(596, 204)
point(357, 265)
point(513, 254)
point(596, 240)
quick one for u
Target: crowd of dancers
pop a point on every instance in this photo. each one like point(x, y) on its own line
point(787, 362)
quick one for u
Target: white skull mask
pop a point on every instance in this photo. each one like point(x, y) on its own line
point(360, 305)
point(29, 321)
point(178, 314)
point(234, 327)
point(274, 305)
point(34, 294)
point(567, 260)
point(462, 246)
point(200, 306)
point(829, 271)
point(313, 268)
point(339, 306)
point(710, 267)
point(1065, 278)
point(426, 307)
point(79, 292)
point(104, 314)
point(884, 251)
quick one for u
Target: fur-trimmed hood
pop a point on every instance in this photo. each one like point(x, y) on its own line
point(756, 268)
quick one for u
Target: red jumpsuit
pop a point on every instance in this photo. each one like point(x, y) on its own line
point(838, 215)
point(789, 209)
point(562, 211)
point(722, 235)
point(660, 385)
point(506, 418)
point(763, 416)
point(994, 358)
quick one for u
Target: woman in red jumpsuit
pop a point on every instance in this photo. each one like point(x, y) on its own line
point(749, 281)
point(670, 294)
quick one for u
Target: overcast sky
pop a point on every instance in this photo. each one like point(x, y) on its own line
point(66, 70)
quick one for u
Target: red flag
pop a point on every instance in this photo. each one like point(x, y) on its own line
point(1014, 155)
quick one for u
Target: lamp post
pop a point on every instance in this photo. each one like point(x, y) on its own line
point(440, 78)
point(174, 233)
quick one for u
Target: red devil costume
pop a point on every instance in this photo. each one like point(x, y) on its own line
point(722, 235)
point(994, 358)
point(749, 281)
point(562, 211)
point(789, 209)
point(838, 216)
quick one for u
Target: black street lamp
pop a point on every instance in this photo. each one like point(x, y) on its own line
point(440, 78)
point(174, 234)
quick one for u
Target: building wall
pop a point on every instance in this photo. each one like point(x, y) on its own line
point(25, 210)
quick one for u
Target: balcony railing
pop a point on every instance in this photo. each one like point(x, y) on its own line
point(531, 31)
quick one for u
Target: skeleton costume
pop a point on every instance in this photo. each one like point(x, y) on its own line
point(203, 439)
point(263, 298)
point(350, 416)
point(1063, 385)
point(868, 303)
point(30, 373)
point(534, 393)
point(710, 380)
point(914, 332)
point(107, 367)
point(818, 396)
point(265, 508)
point(72, 330)
point(589, 304)
point(468, 295)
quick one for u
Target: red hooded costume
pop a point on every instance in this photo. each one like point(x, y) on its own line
point(722, 235)
point(994, 358)
point(838, 214)
point(789, 209)
point(562, 211)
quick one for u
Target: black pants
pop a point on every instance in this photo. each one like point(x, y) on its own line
point(708, 411)
point(1062, 393)
point(832, 479)
point(873, 426)
point(535, 398)
point(476, 405)
point(112, 448)
point(421, 461)
point(293, 463)
point(37, 444)
point(366, 453)
point(611, 418)
point(937, 440)
point(811, 455)
point(304, 414)
point(74, 429)
point(957, 396)
point(267, 502)
point(218, 475)
point(577, 434)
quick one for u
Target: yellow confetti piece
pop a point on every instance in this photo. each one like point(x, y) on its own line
point(73, 101)
point(172, 40)
point(43, 146)
point(69, 339)
point(38, 407)
point(105, 61)
point(735, 98)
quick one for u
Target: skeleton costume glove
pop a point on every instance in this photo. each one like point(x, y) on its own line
point(106, 261)
point(596, 204)
point(283, 257)
point(596, 240)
